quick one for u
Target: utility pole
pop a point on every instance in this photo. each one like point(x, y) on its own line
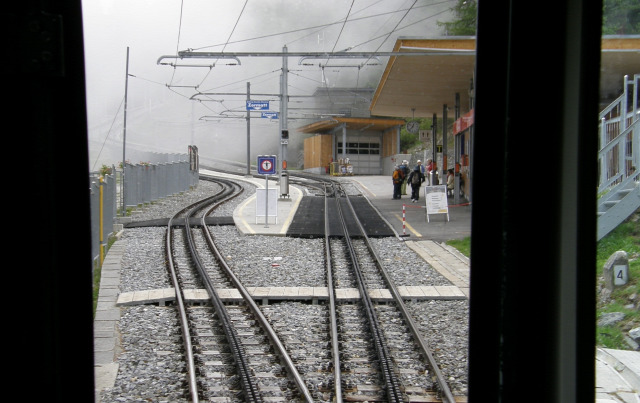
point(284, 132)
point(248, 131)
point(444, 140)
point(124, 137)
point(434, 143)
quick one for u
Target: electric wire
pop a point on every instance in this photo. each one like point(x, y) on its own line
point(108, 134)
point(394, 29)
point(398, 29)
point(337, 22)
point(308, 28)
point(386, 35)
point(243, 80)
point(348, 19)
point(228, 39)
point(178, 39)
point(342, 21)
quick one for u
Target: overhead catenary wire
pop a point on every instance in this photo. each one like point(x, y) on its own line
point(337, 22)
point(394, 29)
point(314, 27)
point(346, 19)
point(398, 29)
point(178, 39)
point(108, 134)
point(228, 38)
point(344, 22)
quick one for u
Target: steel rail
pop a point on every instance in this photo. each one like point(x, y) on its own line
point(255, 309)
point(442, 383)
point(444, 387)
point(184, 324)
point(335, 346)
point(182, 313)
point(250, 388)
point(394, 394)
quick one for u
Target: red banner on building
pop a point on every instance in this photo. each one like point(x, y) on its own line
point(463, 123)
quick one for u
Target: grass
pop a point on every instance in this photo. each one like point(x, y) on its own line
point(626, 237)
point(463, 245)
point(625, 299)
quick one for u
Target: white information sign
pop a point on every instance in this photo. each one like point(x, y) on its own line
point(436, 199)
point(267, 208)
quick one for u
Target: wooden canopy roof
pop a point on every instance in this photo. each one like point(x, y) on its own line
point(427, 83)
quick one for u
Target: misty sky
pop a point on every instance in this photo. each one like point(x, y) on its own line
point(160, 114)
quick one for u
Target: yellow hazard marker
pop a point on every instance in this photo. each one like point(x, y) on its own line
point(409, 227)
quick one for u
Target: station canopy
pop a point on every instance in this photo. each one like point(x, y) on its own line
point(420, 86)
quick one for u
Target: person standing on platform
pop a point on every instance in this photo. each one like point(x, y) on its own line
point(416, 179)
point(450, 181)
point(405, 170)
point(425, 170)
point(398, 178)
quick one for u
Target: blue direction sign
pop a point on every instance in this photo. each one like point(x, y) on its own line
point(270, 115)
point(266, 164)
point(257, 105)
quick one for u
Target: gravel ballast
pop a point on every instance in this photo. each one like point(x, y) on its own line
point(150, 343)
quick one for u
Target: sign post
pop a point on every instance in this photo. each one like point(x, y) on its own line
point(436, 199)
point(266, 167)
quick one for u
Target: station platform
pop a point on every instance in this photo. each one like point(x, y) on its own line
point(408, 220)
point(275, 219)
point(411, 220)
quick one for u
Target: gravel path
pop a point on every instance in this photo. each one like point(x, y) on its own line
point(149, 335)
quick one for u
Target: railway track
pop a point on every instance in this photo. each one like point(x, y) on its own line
point(356, 351)
point(392, 362)
point(237, 371)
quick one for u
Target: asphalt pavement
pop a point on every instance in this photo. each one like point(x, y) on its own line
point(441, 219)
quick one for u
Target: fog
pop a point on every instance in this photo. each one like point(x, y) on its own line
point(163, 112)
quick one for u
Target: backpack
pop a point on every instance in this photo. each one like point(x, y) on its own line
point(405, 170)
point(397, 176)
point(415, 179)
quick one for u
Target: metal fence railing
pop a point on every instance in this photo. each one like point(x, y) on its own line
point(619, 158)
point(620, 136)
point(111, 194)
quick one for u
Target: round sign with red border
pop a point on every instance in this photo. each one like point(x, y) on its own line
point(267, 165)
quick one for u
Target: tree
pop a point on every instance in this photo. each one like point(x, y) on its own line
point(620, 17)
point(466, 12)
